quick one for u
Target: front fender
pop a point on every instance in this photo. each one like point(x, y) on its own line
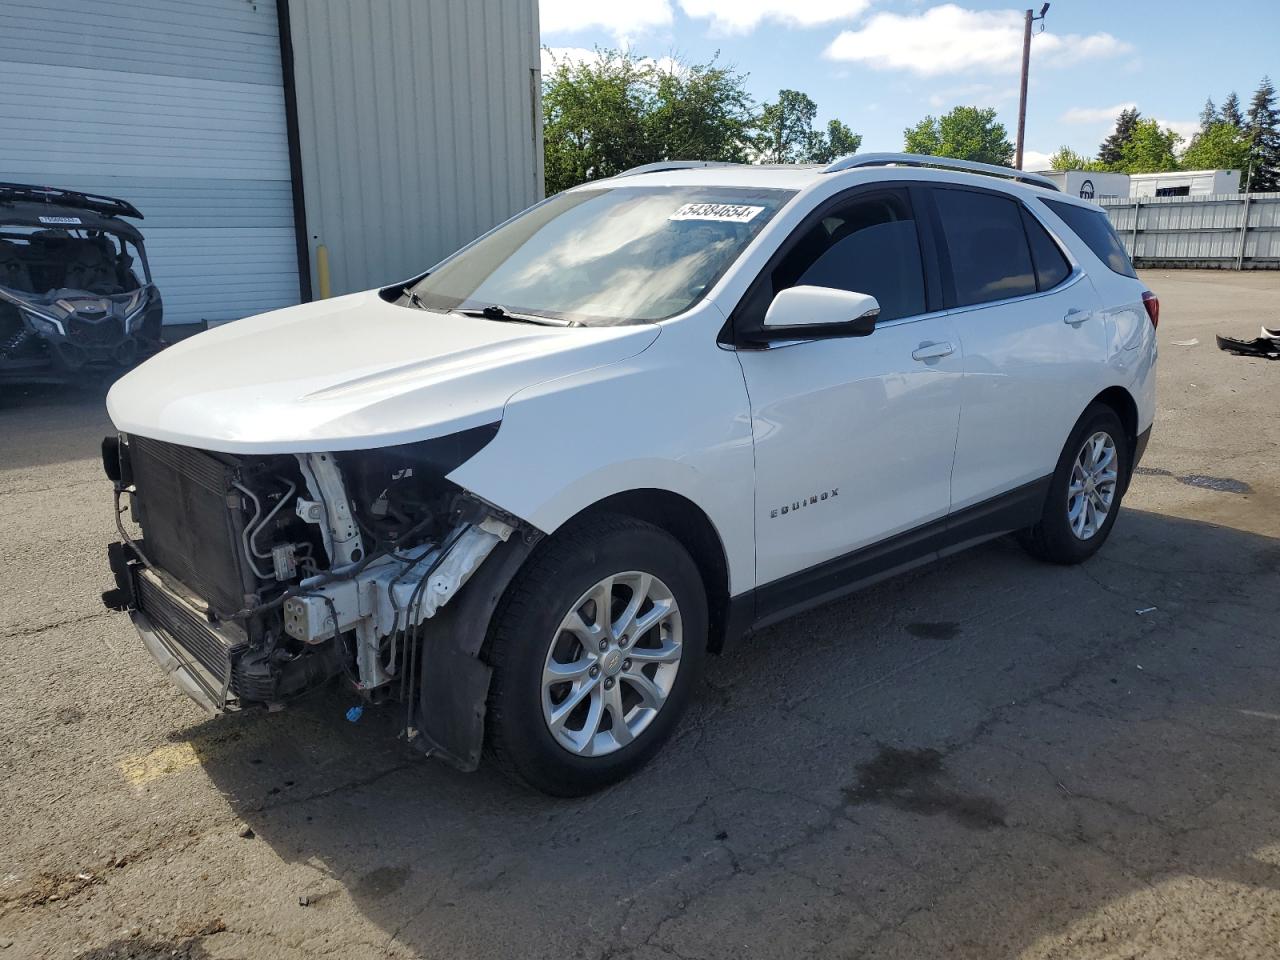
point(675, 418)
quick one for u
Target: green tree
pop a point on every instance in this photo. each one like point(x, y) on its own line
point(1109, 153)
point(784, 130)
point(699, 112)
point(1209, 115)
point(1231, 111)
point(1067, 159)
point(1221, 147)
point(1149, 149)
point(619, 110)
point(1262, 173)
point(838, 141)
point(785, 133)
point(594, 118)
point(965, 133)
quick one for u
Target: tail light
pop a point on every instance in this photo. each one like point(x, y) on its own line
point(1152, 303)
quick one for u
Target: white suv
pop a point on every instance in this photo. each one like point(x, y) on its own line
point(523, 494)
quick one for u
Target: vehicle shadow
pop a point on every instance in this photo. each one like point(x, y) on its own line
point(989, 758)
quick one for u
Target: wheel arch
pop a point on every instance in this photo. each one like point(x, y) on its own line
point(689, 524)
point(1125, 406)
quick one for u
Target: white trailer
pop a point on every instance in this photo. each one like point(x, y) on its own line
point(1185, 183)
point(1090, 184)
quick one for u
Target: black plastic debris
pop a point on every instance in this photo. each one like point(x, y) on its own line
point(1266, 345)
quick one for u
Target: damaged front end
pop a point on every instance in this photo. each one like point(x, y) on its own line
point(253, 579)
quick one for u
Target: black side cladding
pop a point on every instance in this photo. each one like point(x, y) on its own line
point(191, 528)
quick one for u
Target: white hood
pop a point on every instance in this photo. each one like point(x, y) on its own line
point(350, 373)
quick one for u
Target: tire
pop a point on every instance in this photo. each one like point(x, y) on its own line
point(1063, 534)
point(535, 640)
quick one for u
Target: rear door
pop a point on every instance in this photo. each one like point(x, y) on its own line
point(854, 437)
point(1034, 345)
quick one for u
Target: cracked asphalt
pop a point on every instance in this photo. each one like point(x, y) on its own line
point(989, 758)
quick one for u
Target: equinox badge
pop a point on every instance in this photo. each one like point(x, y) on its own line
point(804, 502)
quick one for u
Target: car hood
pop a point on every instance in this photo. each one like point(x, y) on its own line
point(350, 373)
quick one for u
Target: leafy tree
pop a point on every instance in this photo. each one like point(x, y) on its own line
point(785, 133)
point(1149, 149)
point(700, 112)
point(838, 141)
point(785, 128)
point(1222, 146)
point(1263, 131)
point(965, 133)
point(1231, 111)
point(594, 118)
point(1209, 115)
point(1110, 152)
point(1067, 159)
point(619, 110)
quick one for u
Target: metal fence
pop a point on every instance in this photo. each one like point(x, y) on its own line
point(1228, 232)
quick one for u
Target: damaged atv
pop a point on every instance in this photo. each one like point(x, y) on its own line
point(76, 297)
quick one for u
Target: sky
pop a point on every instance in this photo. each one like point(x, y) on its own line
point(882, 65)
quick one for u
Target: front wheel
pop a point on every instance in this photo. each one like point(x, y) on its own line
point(1084, 495)
point(596, 651)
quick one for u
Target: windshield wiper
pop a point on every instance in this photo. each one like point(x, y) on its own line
point(414, 298)
point(495, 312)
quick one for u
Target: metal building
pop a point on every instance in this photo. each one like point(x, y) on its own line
point(253, 133)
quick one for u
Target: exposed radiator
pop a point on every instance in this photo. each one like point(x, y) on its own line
point(215, 651)
point(191, 519)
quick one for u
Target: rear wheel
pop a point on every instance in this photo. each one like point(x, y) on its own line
point(596, 652)
point(1085, 493)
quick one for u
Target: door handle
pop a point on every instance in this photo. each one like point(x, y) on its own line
point(932, 351)
point(1076, 317)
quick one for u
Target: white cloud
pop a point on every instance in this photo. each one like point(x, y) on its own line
point(616, 18)
point(1034, 160)
point(741, 16)
point(1095, 114)
point(1186, 128)
point(952, 39)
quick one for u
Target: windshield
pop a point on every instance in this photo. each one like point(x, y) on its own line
point(609, 256)
point(45, 262)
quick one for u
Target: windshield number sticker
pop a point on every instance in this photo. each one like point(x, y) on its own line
point(722, 212)
point(61, 220)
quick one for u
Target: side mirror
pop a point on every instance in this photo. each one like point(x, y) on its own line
point(800, 313)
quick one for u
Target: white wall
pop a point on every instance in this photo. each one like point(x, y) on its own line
point(420, 128)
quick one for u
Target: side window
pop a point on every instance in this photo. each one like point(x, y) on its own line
point(1093, 227)
point(990, 259)
point(1051, 266)
point(869, 246)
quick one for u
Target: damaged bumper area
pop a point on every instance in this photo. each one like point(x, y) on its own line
point(254, 579)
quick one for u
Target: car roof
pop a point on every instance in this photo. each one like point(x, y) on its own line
point(859, 168)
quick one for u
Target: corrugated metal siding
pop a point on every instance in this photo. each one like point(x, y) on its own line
point(420, 127)
point(177, 106)
point(1200, 231)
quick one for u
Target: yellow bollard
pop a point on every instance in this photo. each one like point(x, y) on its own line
point(322, 270)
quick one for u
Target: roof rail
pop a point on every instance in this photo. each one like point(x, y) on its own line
point(662, 165)
point(946, 163)
point(31, 193)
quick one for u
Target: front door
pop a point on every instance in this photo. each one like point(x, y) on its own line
point(854, 437)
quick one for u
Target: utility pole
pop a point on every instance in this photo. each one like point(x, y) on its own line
point(1031, 18)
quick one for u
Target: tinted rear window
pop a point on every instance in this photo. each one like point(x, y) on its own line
point(1051, 266)
point(1093, 227)
point(987, 244)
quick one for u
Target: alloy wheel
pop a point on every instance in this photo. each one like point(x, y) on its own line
point(611, 664)
point(1091, 492)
